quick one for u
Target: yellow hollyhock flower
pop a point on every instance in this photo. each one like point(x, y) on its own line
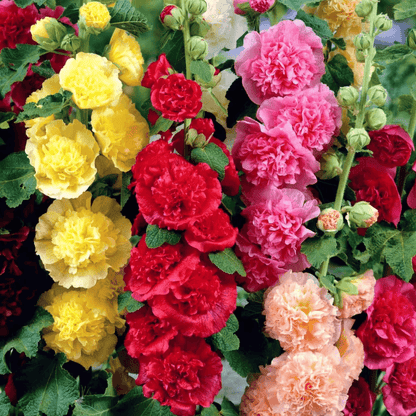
point(84, 324)
point(95, 15)
point(92, 79)
point(63, 158)
point(125, 52)
point(106, 167)
point(78, 242)
point(121, 132)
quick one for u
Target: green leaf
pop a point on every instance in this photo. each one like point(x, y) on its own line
point(226, 340)
point(319, 26)
point(52, 104)
point(339, 42)
point(5, 405)
point(233, 204)
point(134, 240)
point(240, 40)
point(127, 17)
point(392, 54)
point(241, 362)
point(318, 249)
point(293, 4)
point(26, 339)
point(44, 69)
point(95, 405)
point(228, 408)
point(210, 411)
point(338, 73)
point(103, 186)
point(125, 193)
point(404, 9)
point(17, 179)
point(46, 386)
point(227, 261)
point(175, 51)
point(327, 282)
point(24, 3)
point(71, 12)
point(374, 80)
point(213, 156)
point(162, 124)
point(201, 69)
point(405, 103)
point(22, 55)
point(5, 118)
point(126, 301)
point(155, 236)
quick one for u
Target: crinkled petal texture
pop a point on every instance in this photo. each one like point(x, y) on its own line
point(300, 314)
point(84, 324)
point(78, 242)
point(254, 401)
point(121, 132)
point(389, 332)
point(314, 115)
point(96, 15)
point(92, 79)
point(399, 395)
point(64, 158)
point(125, 52)
point(170, 191)
point(272, 159)
point(188, 374)
point(360, 399)
point(282, 60)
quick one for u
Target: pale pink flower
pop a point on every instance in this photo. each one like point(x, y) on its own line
point(282, 60)
point(254, 401)
point(300, 314)
point(355, 304)
point(277, 159)
point(276, 225)
point(313, 113)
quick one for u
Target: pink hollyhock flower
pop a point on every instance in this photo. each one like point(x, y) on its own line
point(276, 225)
point(261, 6)
point(389, 332)
point(300, 314)
point(360, 399)
point(277, 159)
point(280, 61)
point(399, 396)
point(411, 198)
point(314, 115)
point(185, 376)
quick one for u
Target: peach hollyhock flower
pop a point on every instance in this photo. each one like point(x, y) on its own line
point(355, 304)
point(351, 349)
point(92, 79)
point(126, 54)
point(254, 401)
point(121, 132)
point(78, 242)
point(64, 158)
point(308, 383)
point(84, 324)
point(96, 15)
point(300, 314)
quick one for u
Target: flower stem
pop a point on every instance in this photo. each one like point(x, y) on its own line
point(223, 109)
point(276, 13)
point(412, 122)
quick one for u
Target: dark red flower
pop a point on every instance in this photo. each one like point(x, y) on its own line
point(187, 375)
point(391, 146)
point(9, 250)
point(212, 233)
point(156, 70)
point(176, 97)
point(139, 224)
point(377, 187)
point(360, 399)
point(10, 390)
point(147, 334)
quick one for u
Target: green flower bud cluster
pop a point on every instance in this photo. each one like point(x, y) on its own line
point(363, 41)
point(197, 47)
point(375, 118)
point(330, 221)
point(358, 138)
point(364, 8)
point(361, 215)
point(347, 96)
point(172, 17)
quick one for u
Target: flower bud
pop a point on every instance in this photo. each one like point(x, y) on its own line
point(196, 7)
point(378, 95)
point(376, 118)
point(48, 33)
point(215, 78)
point(383, 23)
point(358, 138)
point(94, 17)
point(364, 8)
point(172, 17)
point(360, 56)
point(70, 42)
point(330, 221)
point(411, 39)
point(199, 27)
point(331, 165)
point(363, 41)
point(361, 215)
point(197, 47)
point(261, 6)
point(347, 96)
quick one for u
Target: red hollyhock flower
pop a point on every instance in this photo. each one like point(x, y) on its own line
point(187, 375)
point(152, 117)
point(152, 271)
point(10, 390)
point(171, 192)
point(201, 304)
point(147, 334)
point(360, 399)
point(212, 233)
point(411, 197)
point(391, 146)
point(139, 224)
point(389, 332)
point(156, 70)
point(378, 188)
point(176, 97)
point(9, 250)
point(203, 126)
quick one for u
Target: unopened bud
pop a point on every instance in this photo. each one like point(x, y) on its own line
point(215, 78)
point(330, 221)
point(411, 39)
point(196, 140)
point(360, 55)
point(70, 42)
point(383, 22)
point(197, 47)
point(48, 33)
point(94, 17)
point(347, 96)
point(358, 138)
point(363, 41)
point(361, 215)
point(172, 17)
point(376, 118)
point(199, 27)
point(261, 6)
point(331, 165)
point(364, 8)
point(196, 7)
point(377, 95)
